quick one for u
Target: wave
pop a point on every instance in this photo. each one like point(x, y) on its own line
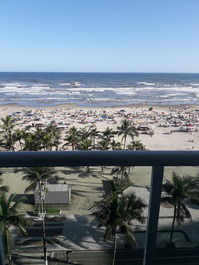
point(108, 100)
point(100, 99)
point(188, 89)
point(178, 100)
point(194, 84)
point(146, 94)
point(126, 93)
point(11, 84)
point(149, 86)
point(93, 89)
point(53, 98)
point(146, 83)
point(65, 84)
point(41, 87)
point(20, 92)
point(172, 95)
point(135, 89)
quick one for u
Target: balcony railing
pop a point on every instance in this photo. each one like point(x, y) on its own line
point(156, 159)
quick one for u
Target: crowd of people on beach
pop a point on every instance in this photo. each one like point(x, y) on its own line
point(184, 119)
point(57, 126)
point(18, 135)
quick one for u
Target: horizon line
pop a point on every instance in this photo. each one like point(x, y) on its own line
point(98, 72)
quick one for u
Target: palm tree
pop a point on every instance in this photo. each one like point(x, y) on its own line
point(72, 137)
point(73, 129)
point(116, 145)
point(37, 175)
point(84, 133)
point(38, 138)
point(119, 185)
point(53, 133)
point(2, 143)
point(103, 145)
point(116, 213)
point(94, 133)
point(136, 145)
point(85, 145)
point(47, 141)
point(177, 192)
point(10, 216)
point(18, 137)
point(108, 133)
point(120, 171)
point(8, 123)
point(7, 126)
point(127, 129)
point(32, 141)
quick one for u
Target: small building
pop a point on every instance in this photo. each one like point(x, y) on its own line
point(55, 194)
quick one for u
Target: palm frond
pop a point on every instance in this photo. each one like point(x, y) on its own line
point(4, 188)
point(31, 187)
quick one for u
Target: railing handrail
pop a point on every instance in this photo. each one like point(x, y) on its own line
point(98, 158)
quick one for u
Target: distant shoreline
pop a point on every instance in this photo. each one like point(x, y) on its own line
point(8, 109)
point(74, 105)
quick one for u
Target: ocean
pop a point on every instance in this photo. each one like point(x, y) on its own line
point(98, 89)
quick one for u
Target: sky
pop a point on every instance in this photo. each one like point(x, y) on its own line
point(99, 35)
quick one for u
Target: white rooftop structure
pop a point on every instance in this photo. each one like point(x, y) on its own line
point(55, 194)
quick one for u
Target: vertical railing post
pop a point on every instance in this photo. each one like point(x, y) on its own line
point(2, 256)
point(153, 215)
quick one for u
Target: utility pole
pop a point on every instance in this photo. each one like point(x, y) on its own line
point(2, 255)
point(43, 215)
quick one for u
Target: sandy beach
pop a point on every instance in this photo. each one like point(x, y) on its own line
point(87, 187)
point(166, 136)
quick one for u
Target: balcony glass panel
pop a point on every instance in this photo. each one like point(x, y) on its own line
point(66, 197)
point(179, 228)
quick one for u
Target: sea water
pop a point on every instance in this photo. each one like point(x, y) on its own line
point(98, 89)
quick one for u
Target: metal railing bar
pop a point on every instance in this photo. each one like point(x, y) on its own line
point(99, 158)
point(153, 216)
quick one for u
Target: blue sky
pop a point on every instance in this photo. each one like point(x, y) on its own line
point(99, 35)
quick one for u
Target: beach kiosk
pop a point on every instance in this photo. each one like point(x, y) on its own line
point(55, 194)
